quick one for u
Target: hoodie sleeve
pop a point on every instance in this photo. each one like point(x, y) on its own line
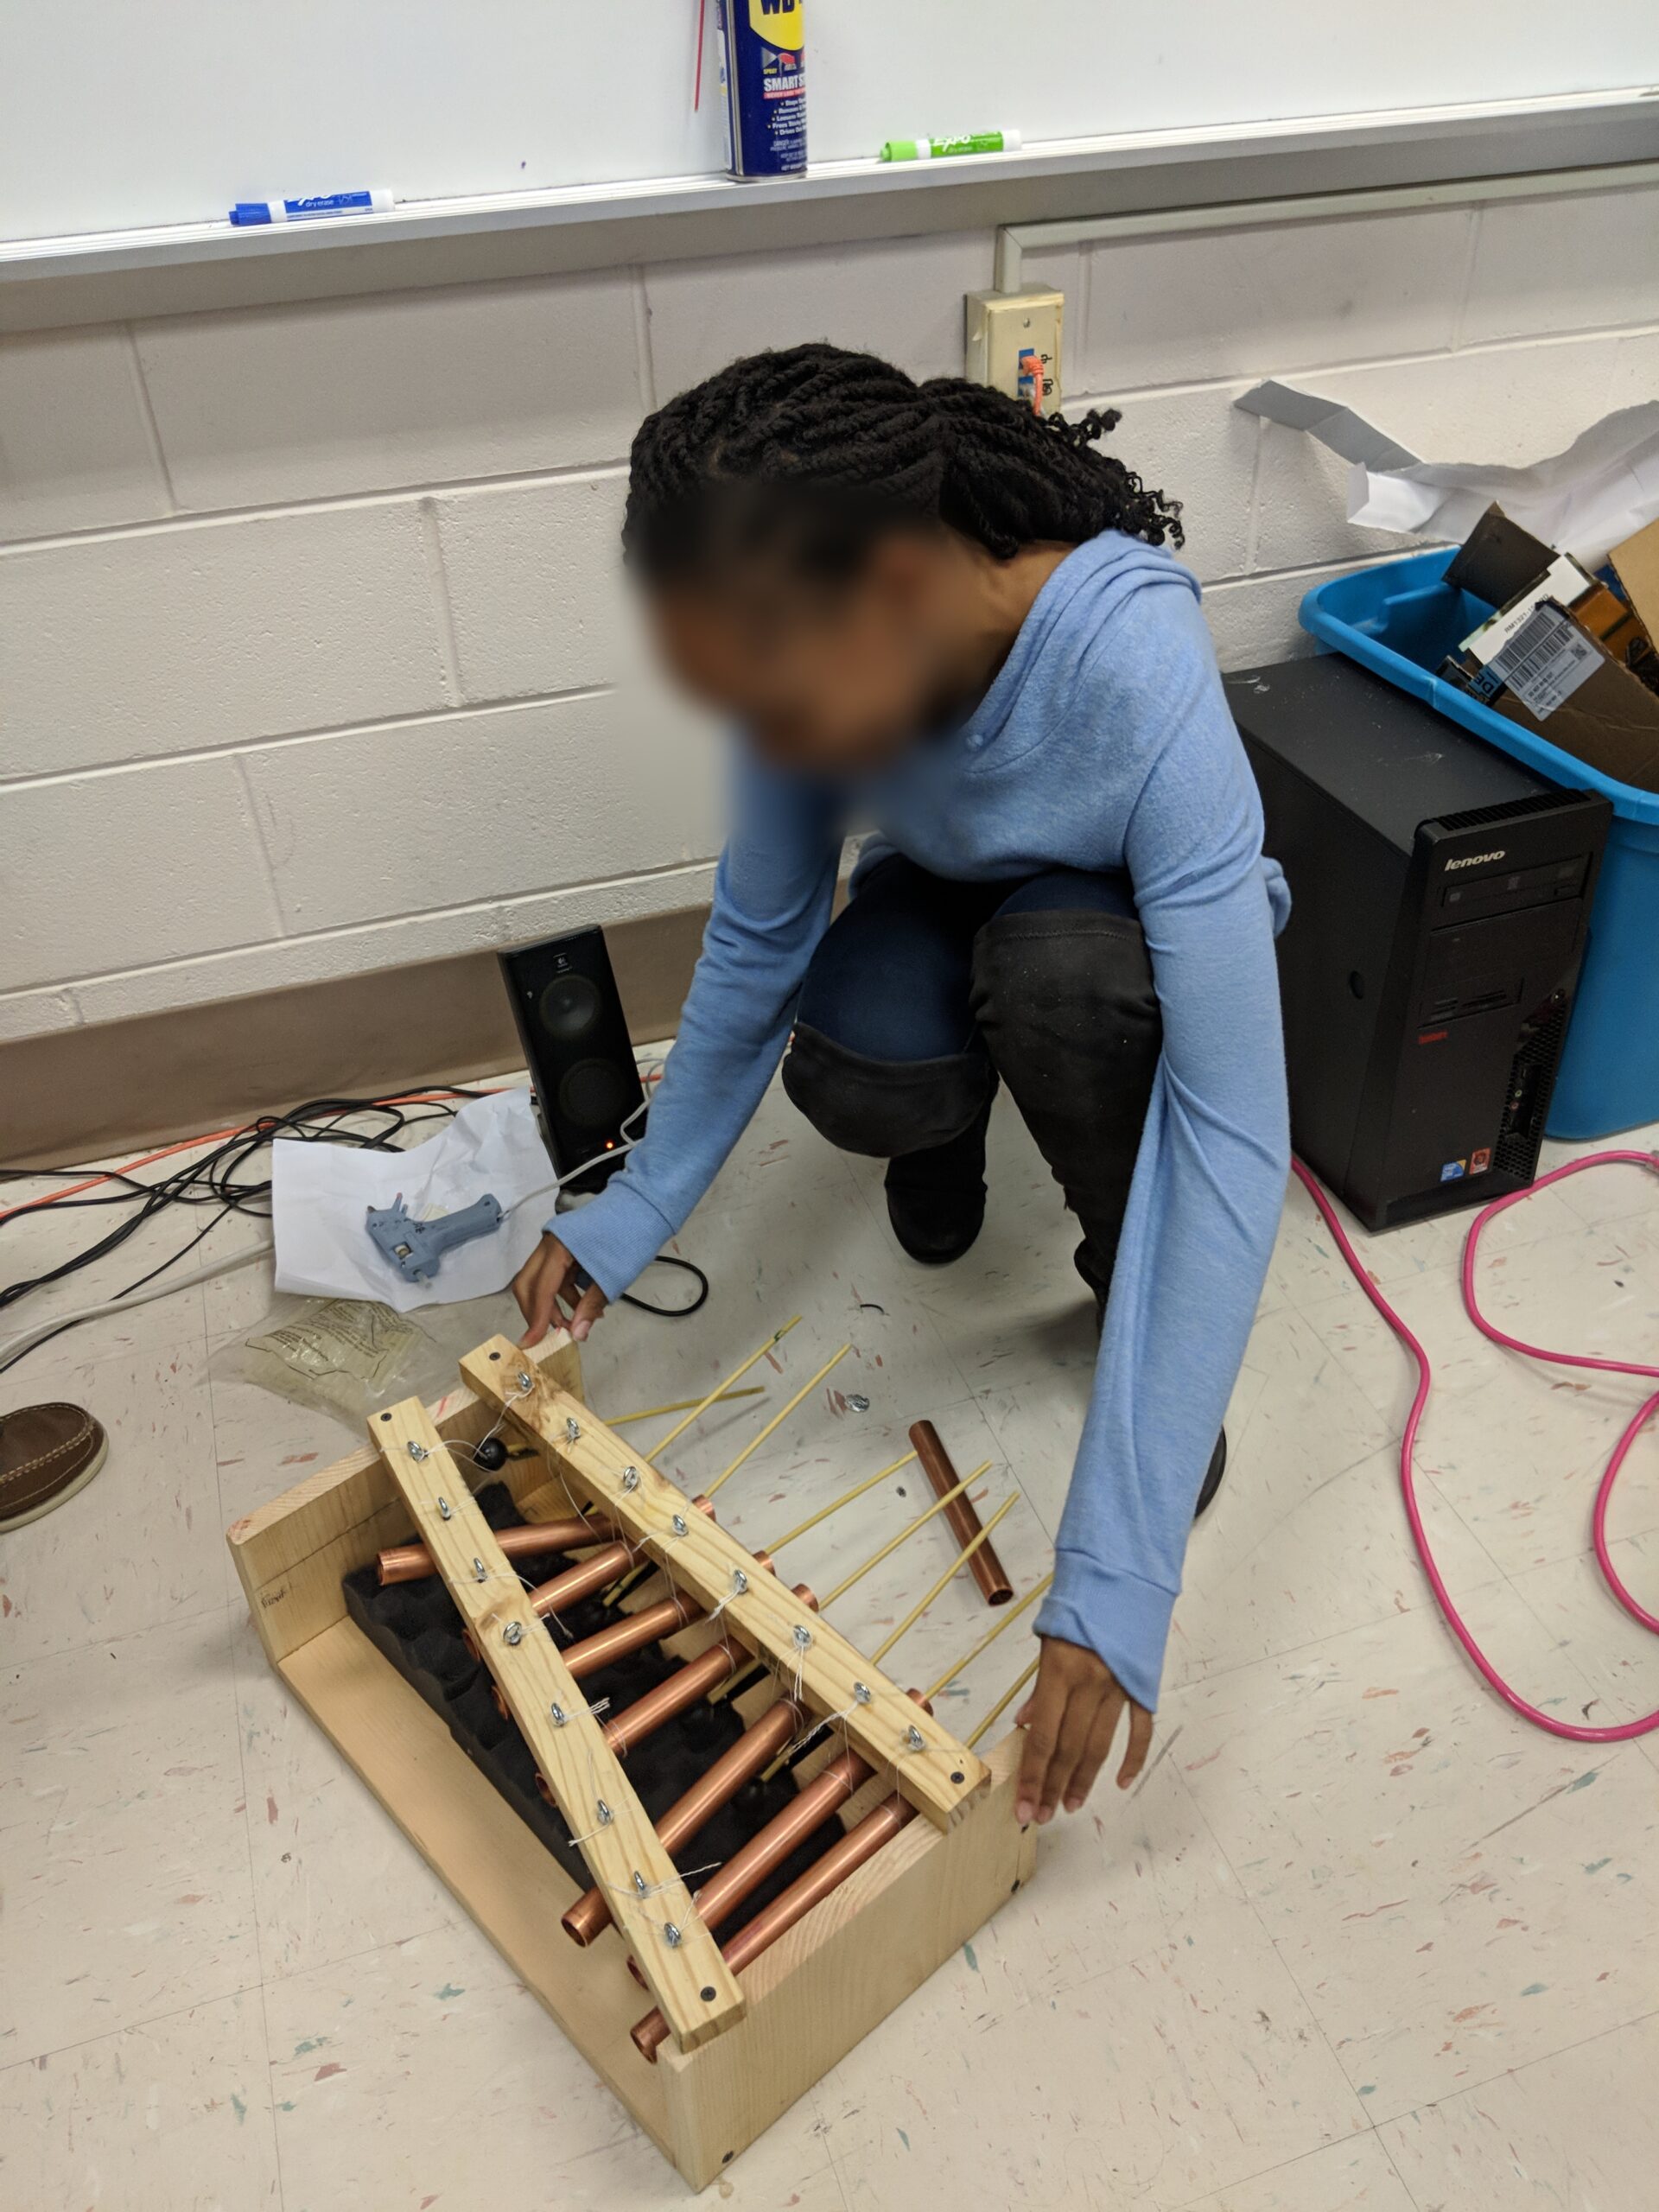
point(1210, 1176)
point(773, 890)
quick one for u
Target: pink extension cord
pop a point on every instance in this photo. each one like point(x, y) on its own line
point(1408, 1440)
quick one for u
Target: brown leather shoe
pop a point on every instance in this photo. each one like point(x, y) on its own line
point(47, 1454)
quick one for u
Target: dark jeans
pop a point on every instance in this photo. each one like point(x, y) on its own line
point(924, 991)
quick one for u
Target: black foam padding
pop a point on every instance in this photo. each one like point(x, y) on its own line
point(417, 1627)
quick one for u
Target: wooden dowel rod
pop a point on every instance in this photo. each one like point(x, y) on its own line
point(725, 1384)
point(1007, 1620)
point(679, 1405)
point(988, 1571)
point(776, 1421)
point(835, 1506)
point(961, 1559)
point(1001, 1706)
point(903, 1537)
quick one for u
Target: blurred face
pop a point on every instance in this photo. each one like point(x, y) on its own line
point(834, 678)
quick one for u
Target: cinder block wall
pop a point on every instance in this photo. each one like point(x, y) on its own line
point(310, 626)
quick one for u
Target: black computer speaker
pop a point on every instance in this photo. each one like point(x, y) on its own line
point(577, 1049)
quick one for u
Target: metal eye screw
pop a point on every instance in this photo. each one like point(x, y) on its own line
point(630, 1478)
point(740, 1583)
point(480, 1572)
point(859, 1402)
point(606, 1815)
point(680, 1525)
point(513, 1632)
point(862, 1693)
point(572, 1428)
point(915, 1739)
point(444, 1510)
point(803, 1636)
point(556, 1714)
point(417, 1451)
point(639, 1881)
point(671, 1935)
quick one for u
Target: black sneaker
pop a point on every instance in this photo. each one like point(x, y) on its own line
point(935, 1198)
point(1213, 1474)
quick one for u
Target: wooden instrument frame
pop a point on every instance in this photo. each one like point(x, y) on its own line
point(808, 2000)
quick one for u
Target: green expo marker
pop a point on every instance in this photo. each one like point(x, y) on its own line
point(937, 149)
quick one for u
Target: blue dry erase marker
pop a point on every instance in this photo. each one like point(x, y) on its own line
point(246, 213)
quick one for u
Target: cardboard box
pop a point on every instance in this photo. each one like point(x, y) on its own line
point(1566, 655)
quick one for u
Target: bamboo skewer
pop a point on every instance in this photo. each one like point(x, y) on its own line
point(875, 1558)
point(1001, 1706)
point(961, 1559)
point(846, 1498)
point(719, 1391)
point(990, 1635)
point(903, 1537)
point(679, 1405)
point(776, 1421)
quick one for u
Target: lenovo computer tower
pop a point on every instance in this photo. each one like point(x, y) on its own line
point(1440, 898)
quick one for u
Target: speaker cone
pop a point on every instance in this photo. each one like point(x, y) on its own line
point(567, 1006)
point(593, 1094)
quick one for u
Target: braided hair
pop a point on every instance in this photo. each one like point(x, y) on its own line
point(856, 445)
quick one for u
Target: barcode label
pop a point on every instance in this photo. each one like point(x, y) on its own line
point(1546, 661)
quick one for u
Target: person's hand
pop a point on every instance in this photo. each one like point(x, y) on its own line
point(546, 1291)
point(1070, 1719)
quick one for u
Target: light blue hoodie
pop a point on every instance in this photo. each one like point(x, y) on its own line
point(1104, 742)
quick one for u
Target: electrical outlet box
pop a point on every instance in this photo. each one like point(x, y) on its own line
point(1014, 343)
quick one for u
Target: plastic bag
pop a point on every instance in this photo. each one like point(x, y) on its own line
point(353, 1356)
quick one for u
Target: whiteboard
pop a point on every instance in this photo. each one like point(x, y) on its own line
point(123, 114)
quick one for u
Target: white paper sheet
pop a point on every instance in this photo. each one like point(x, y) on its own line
point(1583, 501)
point(320, 1193)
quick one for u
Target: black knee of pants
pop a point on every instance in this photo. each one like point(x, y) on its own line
point(1066, 1003)
point(884, 1107)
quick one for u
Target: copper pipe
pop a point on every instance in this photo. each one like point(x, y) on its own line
point(994, 1585)
point(413, 1562)
point(744, 1871)
point(631, 1633)
point(717, 1786)
point(859, 1845)
point(593, 1574)
point(686, 1686)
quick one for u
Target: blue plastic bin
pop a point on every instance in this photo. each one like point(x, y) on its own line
point(1402, 620)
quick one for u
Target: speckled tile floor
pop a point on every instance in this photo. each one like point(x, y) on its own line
point(1359, 1939)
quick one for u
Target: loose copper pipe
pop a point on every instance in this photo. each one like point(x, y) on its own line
point(994, 1584)
point(413, 1562)
point(717, 1786)
point(593, 1573)
point(859, 1845)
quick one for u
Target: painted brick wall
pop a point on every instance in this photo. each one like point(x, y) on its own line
point(310, 630)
